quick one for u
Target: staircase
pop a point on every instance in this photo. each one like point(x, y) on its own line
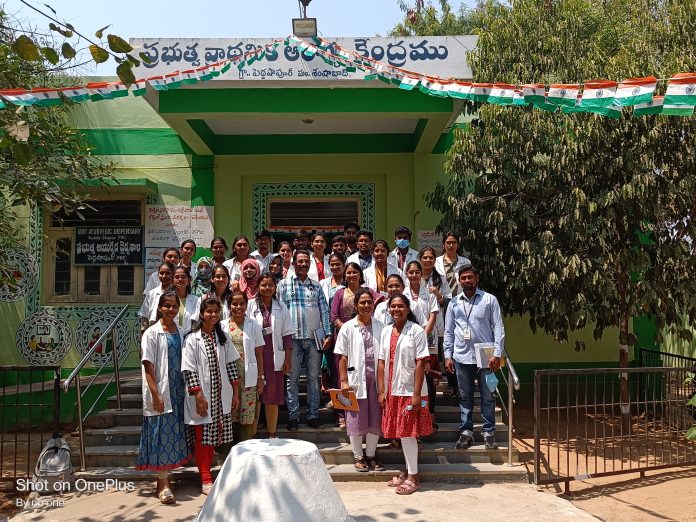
point(112, 438)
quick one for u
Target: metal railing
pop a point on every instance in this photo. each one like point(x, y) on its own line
point(30, 409)
point(656, 359)
point(75, 376)
point(511, 378)
point(584, 429)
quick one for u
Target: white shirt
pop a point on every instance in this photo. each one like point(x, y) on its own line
point(234, 267)
point(153, 281)
point(263, 261)
point(370, 276)
point(446, 294)
point(440, 267)
point(412, 345)
point(355, 258)
point(191, 308)
point(425, 305)
point(194, 359)
point(350, 343)
point(225, 309)
point(281, 325)
point(393, 258)
point(148, 309)
point(154, 349)
point(382, 313)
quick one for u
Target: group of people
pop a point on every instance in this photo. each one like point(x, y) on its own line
point(223, 338)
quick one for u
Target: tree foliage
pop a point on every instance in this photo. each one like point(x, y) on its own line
point(580, 220)
point(442, 20)
point(42, 158)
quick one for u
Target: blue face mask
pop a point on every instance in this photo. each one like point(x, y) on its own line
point(491, 381)
point(402, 243)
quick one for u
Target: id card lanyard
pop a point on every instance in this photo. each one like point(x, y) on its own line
point(467, 330)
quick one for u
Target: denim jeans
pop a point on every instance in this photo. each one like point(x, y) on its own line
point(466, 373)
point(304, 352)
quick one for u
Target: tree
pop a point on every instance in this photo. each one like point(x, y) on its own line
point(42, 158)
point(422, 20)
point(580, 220)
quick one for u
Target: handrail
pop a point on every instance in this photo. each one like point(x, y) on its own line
point(90, 353)
point(511, 368)
point(512, 374)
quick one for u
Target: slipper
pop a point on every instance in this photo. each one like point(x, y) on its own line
point(407, 488)
point(395, 482)
point(206, 488)
point(166, 496)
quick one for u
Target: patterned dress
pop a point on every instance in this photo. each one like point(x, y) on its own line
point(163, 440)
point(397, 422)
point(247, 396)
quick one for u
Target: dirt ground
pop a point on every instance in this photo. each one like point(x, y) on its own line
point(662, 495)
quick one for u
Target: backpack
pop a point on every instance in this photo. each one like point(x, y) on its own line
point(54, 472)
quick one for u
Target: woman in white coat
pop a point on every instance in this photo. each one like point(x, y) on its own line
point(401, 385)
point(358, 347)
point(377, 274)
point(248, 341)
point(163, 443)
point(186, 319)
point(148, 310)
point(210, 373)
point(448, 264)
point(277, 328)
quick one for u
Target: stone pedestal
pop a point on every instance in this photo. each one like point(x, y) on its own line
point(274, 480)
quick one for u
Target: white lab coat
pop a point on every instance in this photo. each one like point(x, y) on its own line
point(191, 306)
point(350, 343)
point(234, 267)
point(393, 258)
point(153, 281)
point(195, 359)
point(148, 309)
point(424, 305)
point(440, 267)
point(412, 345)
point(225, 309)
point(251, 339)
point(370, 275)
point(281, 325)
point(313, 273)
point(263, 261)
point(447, 294)
point(325, 285)
point(382, 314)
point(355, 258)
point(154, 349)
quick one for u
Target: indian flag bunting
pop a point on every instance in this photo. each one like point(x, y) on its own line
point(635, 91)
point(106, 91)
point(545, 106)
point(677, 110)
point(46, 97)
point(480, 91)
point(19, 97)
point(459, 90)
point(76, 94)
point(408, 83)
point(563, 94)
point(2, 104)
point(518, 98)
point(139, 88)
point(612, 111)
point(174, 80)
point(205, 73)
point(575, 108)
point(654, 106)
point(534, 93)
point(681, 90)
point(501, 94)
point(598, 94)
point(189, 77)
point(158, 83)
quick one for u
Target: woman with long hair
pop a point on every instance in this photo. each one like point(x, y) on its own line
point(218, 246)
point(247, 339)
point(212, 382)
point(319, 267)
point(277, 328)
point(401, 385)
point(148, 310)
point(285, 251)
point(188, 303)
point(357, 347)
point(220, 289)
point(163, 441)
point(240, 253)
point(377, 274)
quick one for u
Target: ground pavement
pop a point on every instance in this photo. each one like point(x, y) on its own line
point(364, 501)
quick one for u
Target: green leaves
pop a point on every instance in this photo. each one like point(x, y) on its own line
point(50, 54)
point(26, 49)
point(125, 73)
point(118, 44)
point(99, 54)
point(67, 51)
point(100, 32)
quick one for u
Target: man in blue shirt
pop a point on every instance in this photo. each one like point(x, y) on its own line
point(473, 317)
point(309, 311)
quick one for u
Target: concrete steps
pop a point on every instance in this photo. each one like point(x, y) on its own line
point(112, 437)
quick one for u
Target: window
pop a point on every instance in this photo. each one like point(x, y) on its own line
point(67, 283)
point(328, 215)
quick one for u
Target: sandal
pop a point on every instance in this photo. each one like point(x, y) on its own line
point(361, 465)
point(206, 488)
point(375, 465)
point(272, 435)
point(395, 443)
point(166, 496)
point(407, 488)
point(395, 482)
point(342, 423)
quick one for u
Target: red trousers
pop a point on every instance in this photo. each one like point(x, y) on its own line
point(204, 456)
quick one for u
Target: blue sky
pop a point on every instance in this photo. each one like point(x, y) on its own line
point(214, 18)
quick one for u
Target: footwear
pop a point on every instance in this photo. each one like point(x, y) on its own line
point(374, 464)
point(293, 425)
point(272, 435)
point(489, 441)
point(407, 488)
point(342, 422)
point(329, 405)
point(465, 441)
point(397, 481)
point(166, 496)
point(361, 465)
point(206, 488)
point(313, 423)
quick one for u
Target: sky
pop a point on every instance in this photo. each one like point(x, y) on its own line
point(210, 18)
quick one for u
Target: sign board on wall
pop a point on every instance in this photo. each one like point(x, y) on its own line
point(153, 257)
point(168, 226)
point(430, 238)
point(431, 55)
point(108, 246)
